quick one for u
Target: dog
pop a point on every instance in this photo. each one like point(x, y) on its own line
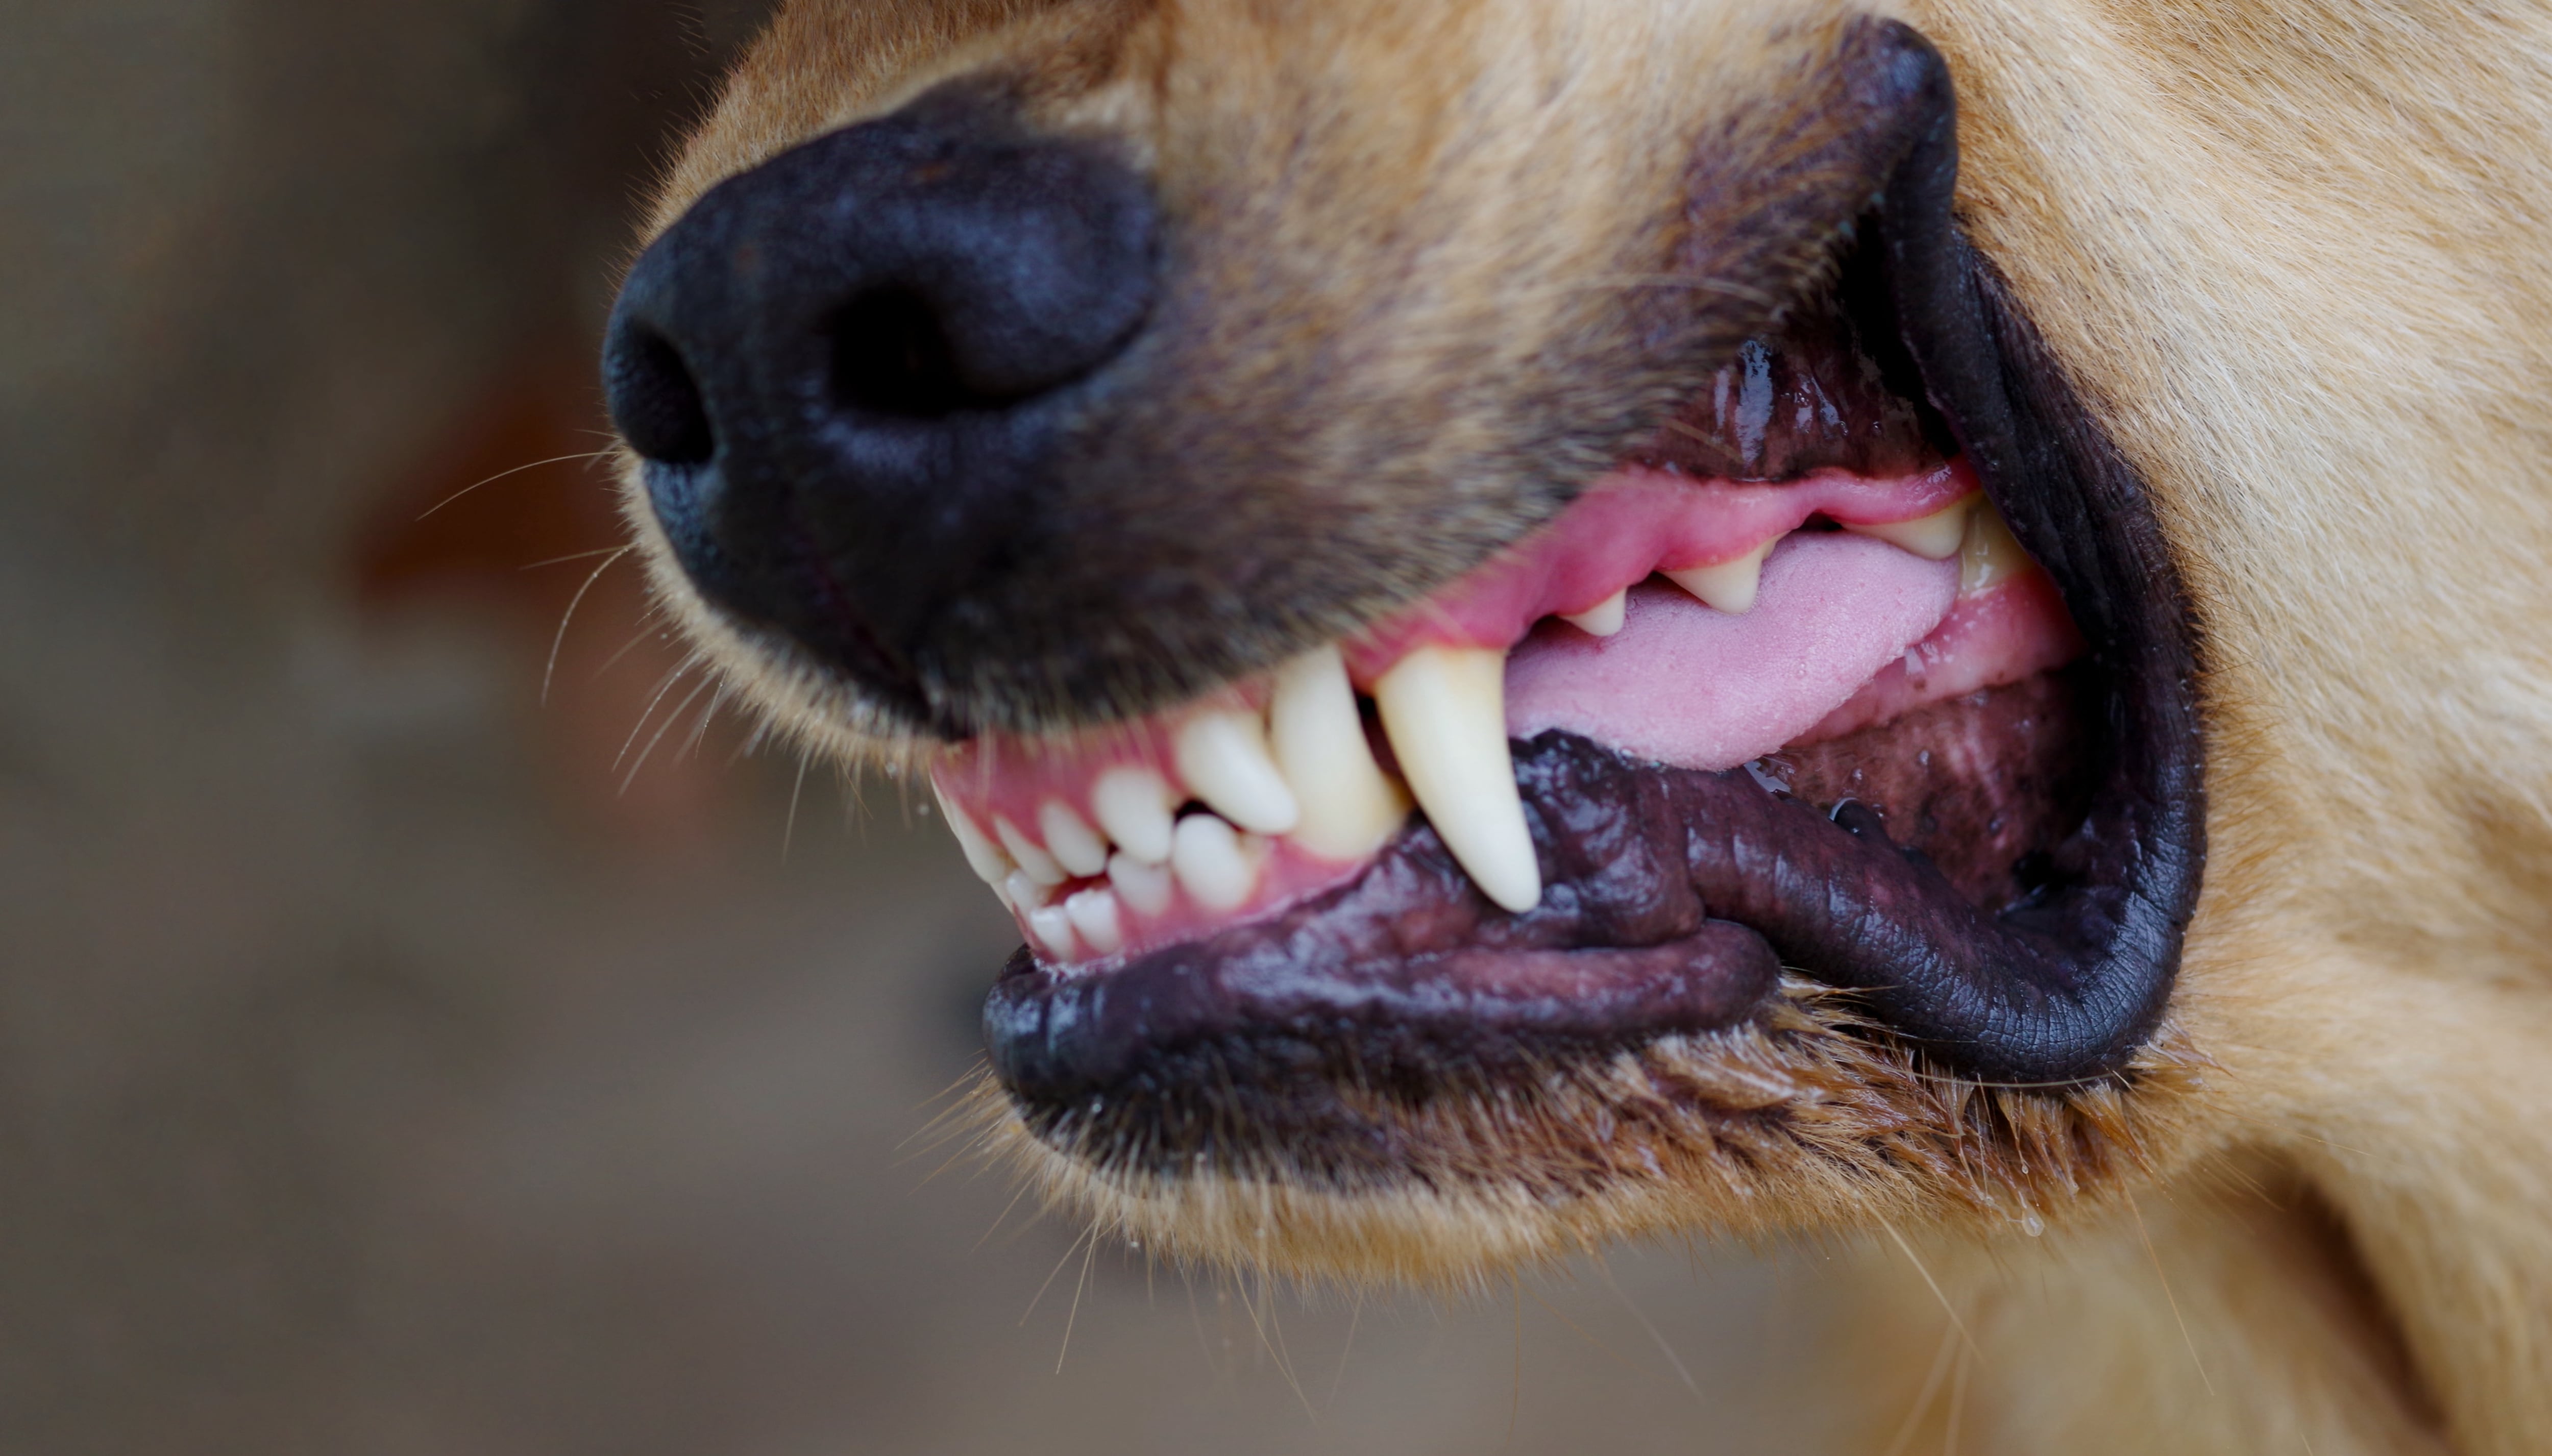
point(1919, 624)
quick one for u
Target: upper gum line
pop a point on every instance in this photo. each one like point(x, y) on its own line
point(1088, 848)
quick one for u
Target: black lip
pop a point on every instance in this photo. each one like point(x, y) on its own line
point(1282, 1033)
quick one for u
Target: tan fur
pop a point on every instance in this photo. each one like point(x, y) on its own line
point(2294, 256)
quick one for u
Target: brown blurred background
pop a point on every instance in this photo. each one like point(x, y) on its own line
point(392, 1059)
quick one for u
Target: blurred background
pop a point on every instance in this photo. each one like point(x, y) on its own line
point(398, 1058)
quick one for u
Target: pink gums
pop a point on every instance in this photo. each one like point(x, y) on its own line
point(1631, 523)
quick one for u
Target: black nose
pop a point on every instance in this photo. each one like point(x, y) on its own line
point(850, 371)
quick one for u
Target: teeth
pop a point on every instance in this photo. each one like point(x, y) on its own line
point(1604, 618)
point(983, 856)
point(1349, 807)
point(1069, 838)
point(1032, 859)
point(1222, 756)
point(1729, 586)
point(1093, 912)
point(1145, 888)
point(1213, 865)
point(1445, 712)
point(1026, 893)
point(1135, 806)
point(1051, 929)
point(1936, 537)
point(1991, 553)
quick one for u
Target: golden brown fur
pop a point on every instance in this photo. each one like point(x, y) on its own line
point(2292, 256)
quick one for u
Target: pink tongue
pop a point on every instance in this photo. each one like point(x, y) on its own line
point(1685, 684)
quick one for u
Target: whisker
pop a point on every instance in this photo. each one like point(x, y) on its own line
point(559, 639)
point(555, 460)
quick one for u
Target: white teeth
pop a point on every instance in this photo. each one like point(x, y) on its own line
point(1026, 893)
point(1093, 912)
point(1936, 537)
point(983, 856)
point(1349, 807)
point(1222, 756)
point(1135, 806)
point(1034, 860)
point(1729, 586)
point(1051, 929)
point(1445, 708)
point(1604, 618)
point(1213, 867)
point(1069, 838)
point(1991, 553)
point(1146, 889)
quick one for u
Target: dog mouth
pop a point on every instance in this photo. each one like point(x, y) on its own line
point(1782, 695)
point(1866, 669)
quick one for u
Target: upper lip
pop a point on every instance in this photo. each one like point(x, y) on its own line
point(2064, 988)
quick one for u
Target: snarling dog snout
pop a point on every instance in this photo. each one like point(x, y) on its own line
point(850, 371)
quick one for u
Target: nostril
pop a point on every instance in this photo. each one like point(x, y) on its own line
point(655, 400)
point(893, 356)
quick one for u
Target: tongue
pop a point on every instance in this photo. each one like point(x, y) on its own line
point(1685, 684)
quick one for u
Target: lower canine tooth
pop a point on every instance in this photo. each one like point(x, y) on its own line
point(1991, 553)
point(1445, 708)
point(983, 856)
point(1069, 838)
point(1093, 914)
point(1135, 806)
point(1146, 889)
point(1936, 537)
point(1222, 756)
point(1730, 585)
point(1034, 862)
point(1604, 618)
point(1349, 807)
point(1213, 865)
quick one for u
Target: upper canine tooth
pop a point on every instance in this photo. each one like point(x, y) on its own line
point(1135, 805)
point(1349, 807)
point(983, 856)
point(1605, 617)
point(1936, 537)
point(1034, 862)
point(1992, 553)
point(1213, 867)
point(1222, 756)
point(1729, 586)
point(1069, 838)
point(1445, 710)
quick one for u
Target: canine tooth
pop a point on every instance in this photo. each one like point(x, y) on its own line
point(1051, 929)
point(1069, 838)
point(983, 856)
point(1213, 866)
point(1992, 553)
point(1093, 912)
point(1349, 807)
point(1222, 756)
point(1033, 857)
point(1936, 537)
point(1604, 618)
point(1135, 806)
point(1445, 710)
point(1729, 586)
point(1146, 889)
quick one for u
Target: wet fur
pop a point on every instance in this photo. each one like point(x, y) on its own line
point(2293, 257)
